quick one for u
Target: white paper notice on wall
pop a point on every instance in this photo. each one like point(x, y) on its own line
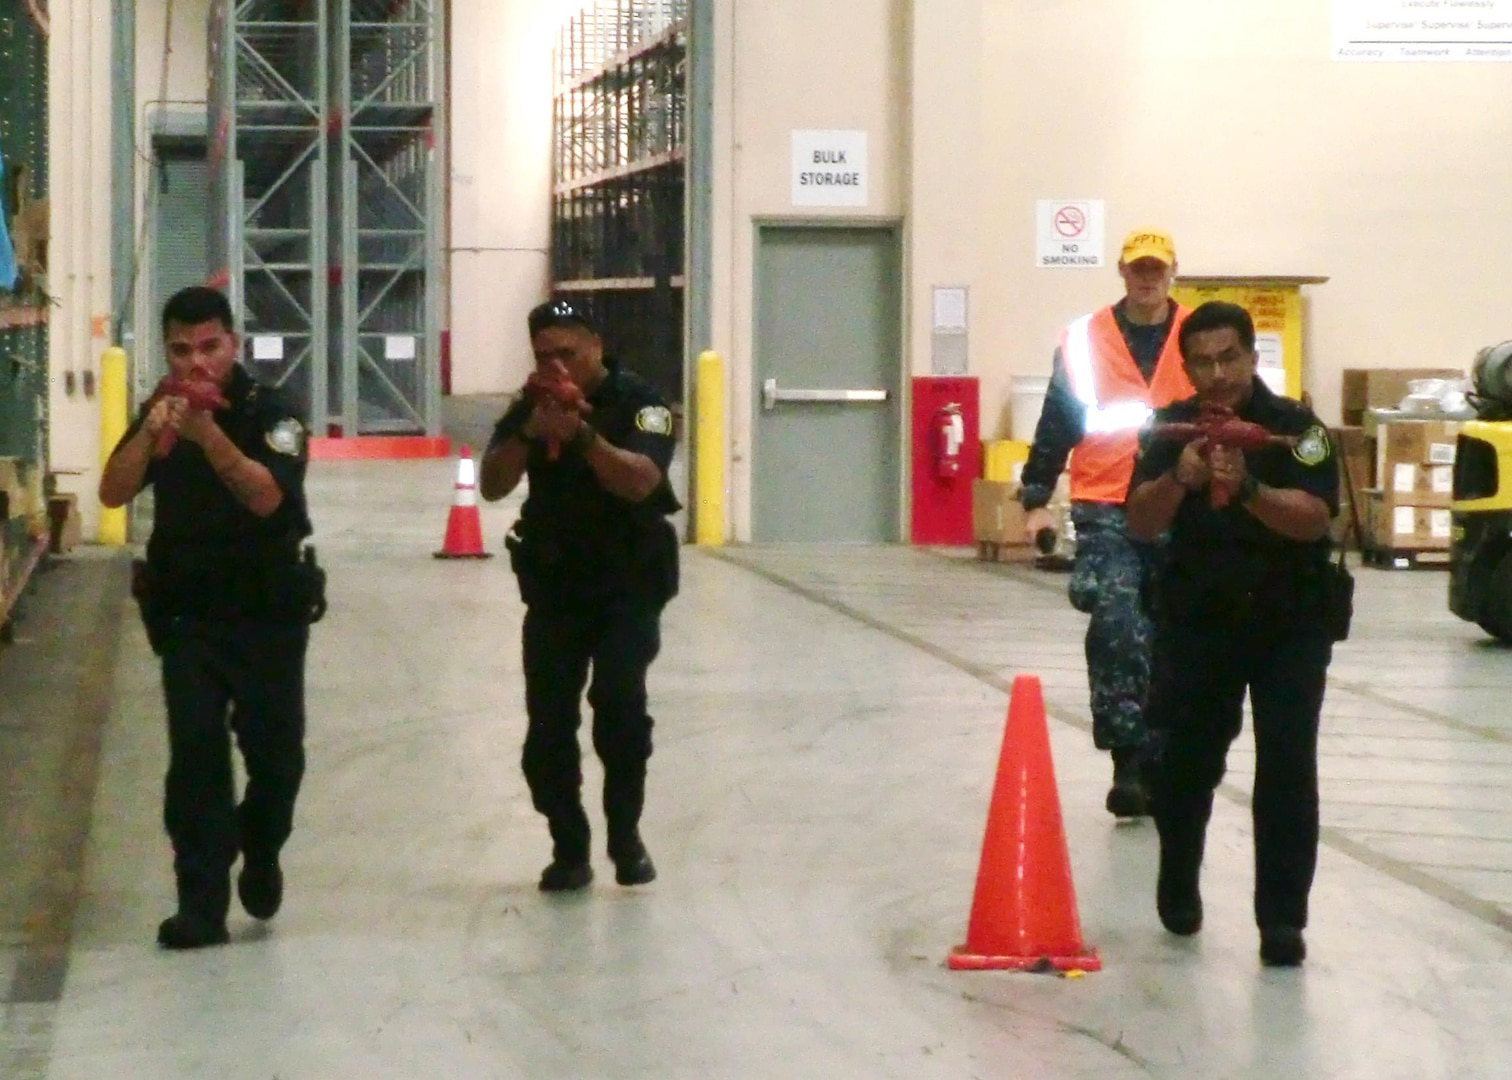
point(1403, 478)
point(1441, 453)
point(1422, 31)
point(1271, 368)
point(1443, 479)
point(1439, 522)
point(1068, 233)
point(829, 168)
point(399, 347)
point(1404, 520)
point(949, 309)
point(267, 347)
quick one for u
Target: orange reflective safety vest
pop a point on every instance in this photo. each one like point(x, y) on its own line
point(1118, 401)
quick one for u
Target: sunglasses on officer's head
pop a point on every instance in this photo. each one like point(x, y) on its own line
point(559, 313)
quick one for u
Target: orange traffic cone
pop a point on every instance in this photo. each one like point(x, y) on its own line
point(464, 529)
point(1024, 912)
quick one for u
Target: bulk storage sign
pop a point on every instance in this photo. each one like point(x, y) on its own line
point(829, 168)
point(1423, 30)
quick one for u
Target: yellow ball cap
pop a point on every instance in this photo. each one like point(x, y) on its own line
point(1149, 244)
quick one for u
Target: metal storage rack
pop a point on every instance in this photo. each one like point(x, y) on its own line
point(270, 114)
point(390, 77)
point(619, 177)
point(325, 168)
point(23, 313)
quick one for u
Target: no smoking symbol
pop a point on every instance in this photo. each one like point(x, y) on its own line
point(1070, 222)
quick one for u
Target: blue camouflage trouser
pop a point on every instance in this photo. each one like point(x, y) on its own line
point(1106, 583)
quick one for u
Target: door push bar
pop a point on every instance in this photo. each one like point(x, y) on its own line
point(770, 395)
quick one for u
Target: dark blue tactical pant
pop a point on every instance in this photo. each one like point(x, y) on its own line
point(619, 639)
point(1202, 672)
point(222, 677)
point(1107, 583)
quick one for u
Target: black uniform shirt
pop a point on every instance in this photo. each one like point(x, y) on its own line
point(568, 517)
point(194, 508)
point(1227, 555)
point(1063, 418)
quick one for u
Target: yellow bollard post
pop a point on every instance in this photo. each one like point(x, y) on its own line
point(709, 452)
point(114, 416)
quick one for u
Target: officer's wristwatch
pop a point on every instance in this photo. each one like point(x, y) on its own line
point(1249, 487)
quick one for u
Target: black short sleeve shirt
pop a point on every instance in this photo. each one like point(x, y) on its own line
point(567, 513)
point(195, 507)
point(1229, 547)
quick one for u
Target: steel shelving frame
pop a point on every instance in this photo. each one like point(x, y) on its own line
point(391, 75)
point(619, 169)
point(23, 314)
point(270, 112)
point(326, 165)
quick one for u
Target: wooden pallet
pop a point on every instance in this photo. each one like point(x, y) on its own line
point(1406, 558)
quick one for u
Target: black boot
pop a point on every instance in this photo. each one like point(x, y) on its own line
point(260, 886)
point(632, 862)
point(1282, 946)
point(1127, 798)
point(569, 869)
point(1178, 898)
point(201, 917)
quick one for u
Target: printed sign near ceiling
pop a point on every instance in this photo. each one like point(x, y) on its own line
point(829, 168)
point(1422, 30)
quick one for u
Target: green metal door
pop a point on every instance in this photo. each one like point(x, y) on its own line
point(828, 369)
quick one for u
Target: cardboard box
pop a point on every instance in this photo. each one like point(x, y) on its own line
point(1412, 484)
point(996, 516)
point(1415, 442)
point(1404, 527)
point(1382, 388)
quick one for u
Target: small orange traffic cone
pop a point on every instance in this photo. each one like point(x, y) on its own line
point(464, 528)
point(1024, 912)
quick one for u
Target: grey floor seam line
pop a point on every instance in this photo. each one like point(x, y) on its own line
point(1029, 577)
point(42, 968)
point(1400, 871)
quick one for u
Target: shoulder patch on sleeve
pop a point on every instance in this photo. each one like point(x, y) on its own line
point(287, 437)
point(1313, 446)
point(655, 420)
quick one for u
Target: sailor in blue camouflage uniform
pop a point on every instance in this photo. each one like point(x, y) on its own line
point(1111, 368)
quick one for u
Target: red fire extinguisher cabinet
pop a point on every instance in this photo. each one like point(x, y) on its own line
point(942, 495)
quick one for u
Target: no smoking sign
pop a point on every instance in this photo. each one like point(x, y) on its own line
point(1068, 233)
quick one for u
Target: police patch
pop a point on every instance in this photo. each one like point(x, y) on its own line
point(655, 420)
point(287, 437)
point(1313, 447)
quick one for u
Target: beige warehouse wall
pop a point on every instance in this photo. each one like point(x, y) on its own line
point(1229, 124)
point(501, 74)
point(785, 65)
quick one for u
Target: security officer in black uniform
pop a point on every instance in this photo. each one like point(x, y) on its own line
point(1246, 599)
point(227, 598)
point(596, 561)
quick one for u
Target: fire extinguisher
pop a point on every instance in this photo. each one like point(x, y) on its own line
point(949, 437)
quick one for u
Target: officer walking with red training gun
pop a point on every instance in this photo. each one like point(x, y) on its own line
point(597, 561)
point(1245, 599)
point(227, 594)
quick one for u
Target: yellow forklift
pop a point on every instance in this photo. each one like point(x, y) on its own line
point(1480, 552)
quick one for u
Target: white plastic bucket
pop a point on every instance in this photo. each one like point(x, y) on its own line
point(1026, 398)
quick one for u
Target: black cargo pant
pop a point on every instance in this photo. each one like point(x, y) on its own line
point(222, 677)
point(618, 639)
point(1197, 699)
